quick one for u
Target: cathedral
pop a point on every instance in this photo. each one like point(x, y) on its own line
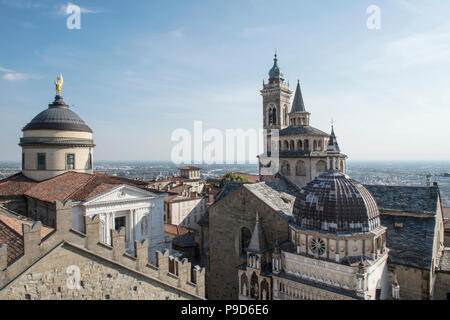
point(308, 231)
point(58, 216)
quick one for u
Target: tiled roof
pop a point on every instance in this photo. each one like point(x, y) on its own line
point(190, 168)
point(405, 198)
point(59, 188)
point(11, 233)
point(278, 195)
point(333, 202)
point(228, 188)
point(409, 239)
point(70, 185)
point(302, 130)
point(14, 185)
point(176, 230)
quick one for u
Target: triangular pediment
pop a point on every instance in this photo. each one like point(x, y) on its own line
point(122, 193)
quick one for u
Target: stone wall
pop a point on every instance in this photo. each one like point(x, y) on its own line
point(56, 277)
point(413, 282)
point(227, 218)
point(42, 271)
point(442, 286)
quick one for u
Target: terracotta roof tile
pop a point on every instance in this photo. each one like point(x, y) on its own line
point(176, 230)
point(15, 185)
point(11, 233)
point(77, 186)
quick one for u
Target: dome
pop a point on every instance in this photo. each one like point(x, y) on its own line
point(275, 72)
point(58, 116)
point(334, 203)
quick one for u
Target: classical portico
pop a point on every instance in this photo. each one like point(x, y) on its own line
point(139, 211)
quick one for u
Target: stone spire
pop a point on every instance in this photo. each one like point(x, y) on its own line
point(298, 105)
point(332, 143)
point(258, 241)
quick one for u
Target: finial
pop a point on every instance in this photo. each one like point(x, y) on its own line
point(59, 84)
point(332, 122)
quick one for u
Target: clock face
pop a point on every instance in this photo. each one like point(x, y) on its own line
point(317, 246)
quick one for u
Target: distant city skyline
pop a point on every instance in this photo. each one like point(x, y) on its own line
point(135, 73)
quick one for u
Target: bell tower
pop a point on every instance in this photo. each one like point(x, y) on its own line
point(276, 99)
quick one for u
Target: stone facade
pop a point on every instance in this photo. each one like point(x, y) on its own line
point(227, 221)
point(185, 211)
point(46, 266)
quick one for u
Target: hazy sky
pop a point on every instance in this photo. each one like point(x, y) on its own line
point(138, 70)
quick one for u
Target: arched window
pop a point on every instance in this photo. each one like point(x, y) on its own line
point(291, 146)
point(300, 169)
point(144, 226)
point(270, 116)
point(320, 145)
point(265, 293)
point(299, 145)
point(285, 116)
point(321, 166)
point(306, 145)
point(315, 145)
point(254, 287)
point(286, 145)
point(285, 168)
point(244, 285)
point(274, 116)
point(246, 235)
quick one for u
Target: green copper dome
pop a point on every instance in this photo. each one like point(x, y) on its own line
point(275, 72)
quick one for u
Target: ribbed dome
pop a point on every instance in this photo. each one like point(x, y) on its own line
point(337, 204)
point(58, 116)
point(275, 72)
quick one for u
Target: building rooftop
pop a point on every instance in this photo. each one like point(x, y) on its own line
point(334, 203)
point(410, 239)
point(302, 130)
point(11, 233)
point(72, 185)
point(58, 116)
point(405, 198)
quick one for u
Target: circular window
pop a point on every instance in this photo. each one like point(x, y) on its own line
point(317, 245)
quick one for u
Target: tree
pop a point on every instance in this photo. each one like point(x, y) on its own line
point(231, 177)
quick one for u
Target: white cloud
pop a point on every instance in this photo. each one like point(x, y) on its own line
point(5, 70)
point(413, 50)
point(18, 76)
point(62, 10)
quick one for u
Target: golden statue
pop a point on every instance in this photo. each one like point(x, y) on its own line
point(58, 84)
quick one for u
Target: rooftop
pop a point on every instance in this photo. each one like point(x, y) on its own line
point(405, 198)
point(72, 185)
point(11, 233)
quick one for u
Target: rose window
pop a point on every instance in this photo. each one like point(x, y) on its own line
point(317, 246)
